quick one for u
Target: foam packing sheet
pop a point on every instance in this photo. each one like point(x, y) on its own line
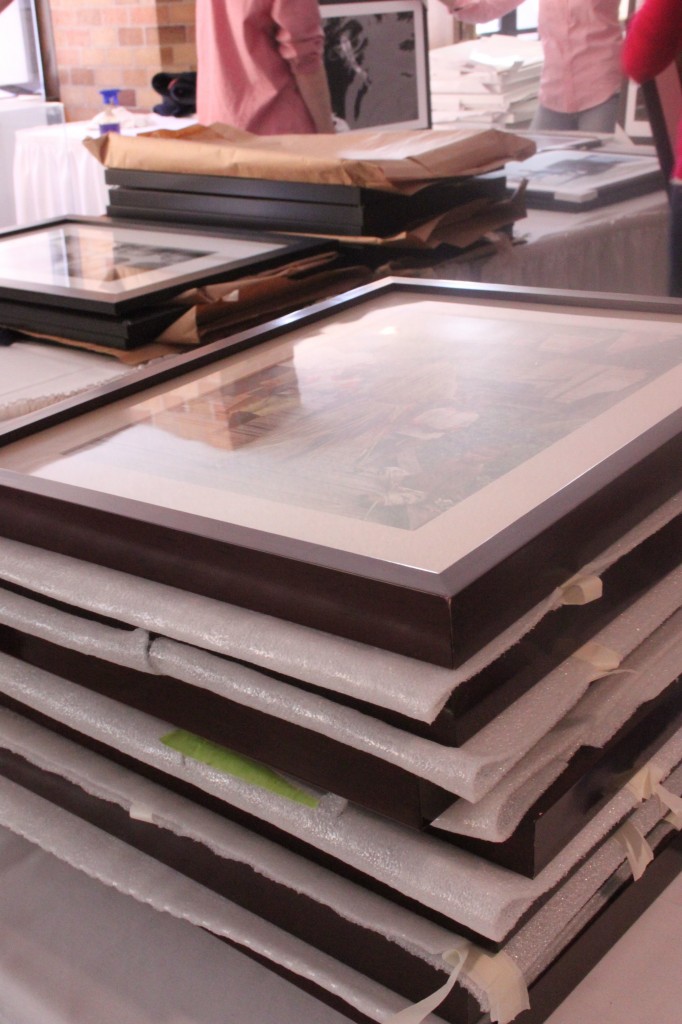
point(487, 899)
point(574, 904)
point(113, 863)
point(469, 771)
point(605, 708)
point(397, 683)
point(81, 844)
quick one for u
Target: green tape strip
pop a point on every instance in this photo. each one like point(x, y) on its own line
point(234, 764)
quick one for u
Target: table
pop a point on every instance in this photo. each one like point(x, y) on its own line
point(73, 951)
point(617, 248)
point(55, 175)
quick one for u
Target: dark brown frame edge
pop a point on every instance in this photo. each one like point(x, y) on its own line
point(384, 604)
point(48, 50)
point(85, 300)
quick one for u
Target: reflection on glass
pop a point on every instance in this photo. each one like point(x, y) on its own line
point(392, 419)
point(77, 258)
point(112, 260)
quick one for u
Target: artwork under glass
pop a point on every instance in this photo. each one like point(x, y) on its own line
point(402, 430)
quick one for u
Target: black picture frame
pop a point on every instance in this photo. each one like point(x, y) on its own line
point(439, 612)
point(574, 181)
point(103, 266)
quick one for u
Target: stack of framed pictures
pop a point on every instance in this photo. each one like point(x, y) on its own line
point(390, 582)
point(95, 280)
point(301, 207)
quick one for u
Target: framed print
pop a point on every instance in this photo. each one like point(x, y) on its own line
point(574, 180)
point(411, 464)
point(103, 266)
point(376, 57)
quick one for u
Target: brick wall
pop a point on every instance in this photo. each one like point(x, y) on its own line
point(103, 44)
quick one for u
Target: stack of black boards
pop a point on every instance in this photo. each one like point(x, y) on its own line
point(367, 623)
point(296, 206)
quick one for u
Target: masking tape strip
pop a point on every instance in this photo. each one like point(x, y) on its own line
point(416, 1013)
point(638, 852)
point(643, 784)
point(139, 813)
point(647, 783)
point(670, 800)
point(501, 979)
point(602, 658)
point(582, 590)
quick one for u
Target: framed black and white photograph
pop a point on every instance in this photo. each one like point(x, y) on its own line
point(374, 466)
point(376, 56)
point(575, 180)
point(111, 268)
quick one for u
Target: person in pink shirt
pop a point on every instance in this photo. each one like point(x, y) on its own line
point(260, 66)
point(653, 41)
point(581, 76)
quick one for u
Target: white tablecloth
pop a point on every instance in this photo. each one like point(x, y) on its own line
point(617, 248)
point(73, 951)
point(55, 175)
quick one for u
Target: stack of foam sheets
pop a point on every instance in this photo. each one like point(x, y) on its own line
point(381, 829)
point(105, 675)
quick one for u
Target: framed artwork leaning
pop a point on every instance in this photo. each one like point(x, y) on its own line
point(376, 58)
point(410, 465)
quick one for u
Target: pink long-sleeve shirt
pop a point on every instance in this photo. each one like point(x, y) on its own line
point(246, 52)
point(581, 39)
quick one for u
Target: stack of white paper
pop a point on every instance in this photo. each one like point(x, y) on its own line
point(492, 81)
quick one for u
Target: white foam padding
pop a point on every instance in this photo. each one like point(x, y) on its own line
point(469, 771)
point(377, 677)
point(111, 862)
point(595, 719)
point(487, 899)
point(549, 926)
point(127, 647)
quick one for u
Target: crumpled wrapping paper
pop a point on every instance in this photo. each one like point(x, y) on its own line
point(392, 161)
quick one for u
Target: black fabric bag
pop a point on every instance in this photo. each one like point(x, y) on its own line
point(179, 93)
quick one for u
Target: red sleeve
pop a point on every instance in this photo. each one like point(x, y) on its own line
point(653, 39)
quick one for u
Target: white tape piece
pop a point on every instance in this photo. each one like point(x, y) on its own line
point(670, 800)
point(638, 852)
point(647, 783)
point(643, 784)
point(139, 813)
point(675, 820)
point(501, 979)
point(416, 1013)
point(601, 657)
point(582, 590)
